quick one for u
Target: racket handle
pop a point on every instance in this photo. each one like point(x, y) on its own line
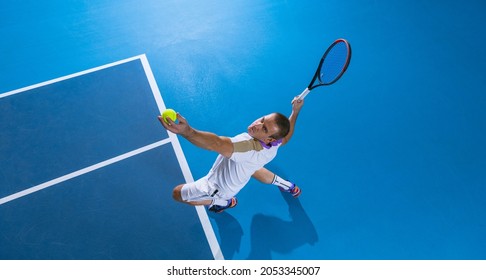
point(303, 94)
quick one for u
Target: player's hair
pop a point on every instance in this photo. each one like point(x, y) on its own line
point(283, 124)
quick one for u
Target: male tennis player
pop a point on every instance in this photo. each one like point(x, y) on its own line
point(240, 158)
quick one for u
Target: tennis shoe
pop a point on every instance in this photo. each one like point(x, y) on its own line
point(294, 190)
point(218, 208)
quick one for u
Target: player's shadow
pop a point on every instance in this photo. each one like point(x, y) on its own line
point(230, 232)
point(273, 234)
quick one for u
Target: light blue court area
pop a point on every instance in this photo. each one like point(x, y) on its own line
point(391, 159)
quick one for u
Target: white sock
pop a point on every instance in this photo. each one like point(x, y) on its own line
point(284, 184)
point(219, 202)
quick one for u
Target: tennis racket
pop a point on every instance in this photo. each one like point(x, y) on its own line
point(332, 66)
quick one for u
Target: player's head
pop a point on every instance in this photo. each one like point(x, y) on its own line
point(270, 128)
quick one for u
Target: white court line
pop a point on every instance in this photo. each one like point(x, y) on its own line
point(82, 171)
point(70, 76)
point(201, 212)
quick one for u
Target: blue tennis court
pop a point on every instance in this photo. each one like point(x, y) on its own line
point(391, 159)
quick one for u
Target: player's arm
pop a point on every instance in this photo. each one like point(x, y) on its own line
point(202, 139)
point(296, 107)
point(210, 141)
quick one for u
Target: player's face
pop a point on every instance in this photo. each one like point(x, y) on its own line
point(263, 128)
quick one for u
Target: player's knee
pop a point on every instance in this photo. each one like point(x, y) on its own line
point(176, 193)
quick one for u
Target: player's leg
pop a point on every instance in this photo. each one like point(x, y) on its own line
point(268, 177)
point(177, 195)
point(264, 175)
point(200, 193)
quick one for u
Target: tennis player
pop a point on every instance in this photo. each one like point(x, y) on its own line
point(240, 158)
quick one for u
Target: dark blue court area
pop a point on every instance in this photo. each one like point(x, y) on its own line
point(391, 159)
point(122, 210)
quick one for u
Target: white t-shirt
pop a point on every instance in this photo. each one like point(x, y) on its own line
point(230, 175)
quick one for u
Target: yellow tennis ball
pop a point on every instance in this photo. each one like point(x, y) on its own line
point(169, 113)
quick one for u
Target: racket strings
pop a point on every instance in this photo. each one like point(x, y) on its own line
point(335, 63)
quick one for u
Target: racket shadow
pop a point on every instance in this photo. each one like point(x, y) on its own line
point(272, 234)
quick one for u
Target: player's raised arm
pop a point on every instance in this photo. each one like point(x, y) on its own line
point(296, 107)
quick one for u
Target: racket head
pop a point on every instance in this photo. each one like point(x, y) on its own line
point(333, 63)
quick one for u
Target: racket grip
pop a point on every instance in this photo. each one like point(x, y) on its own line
point(303, 94)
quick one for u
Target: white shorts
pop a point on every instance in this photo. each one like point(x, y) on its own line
point(199, 190)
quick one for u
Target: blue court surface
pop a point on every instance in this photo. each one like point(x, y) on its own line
point(391, 159)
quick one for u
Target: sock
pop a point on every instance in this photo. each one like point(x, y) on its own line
point(219, 202)
point(282, 183)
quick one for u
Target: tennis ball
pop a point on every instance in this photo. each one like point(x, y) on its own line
point(169, 113)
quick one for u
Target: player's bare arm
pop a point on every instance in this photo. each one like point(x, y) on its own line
point(296, 107)
point(202, 139)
